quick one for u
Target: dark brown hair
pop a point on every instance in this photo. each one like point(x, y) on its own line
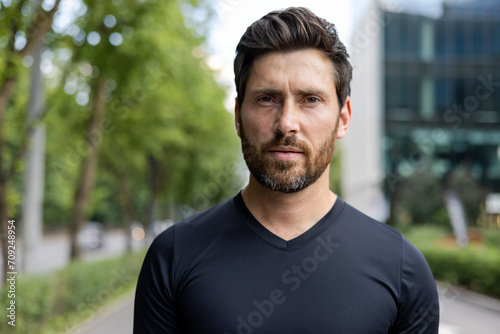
point(292, 29)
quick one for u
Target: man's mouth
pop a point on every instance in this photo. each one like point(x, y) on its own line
point(285, 153)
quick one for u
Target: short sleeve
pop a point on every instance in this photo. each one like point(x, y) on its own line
point(155, 308)
point(418, 309)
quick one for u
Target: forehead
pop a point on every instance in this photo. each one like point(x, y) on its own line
point(296, 69)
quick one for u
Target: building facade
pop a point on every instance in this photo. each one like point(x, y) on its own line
point(426, 97)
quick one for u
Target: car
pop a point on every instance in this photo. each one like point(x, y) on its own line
point(160, 225)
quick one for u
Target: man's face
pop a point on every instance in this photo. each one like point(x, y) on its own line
point(289, 119)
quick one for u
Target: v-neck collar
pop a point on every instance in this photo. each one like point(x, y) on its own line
point(311, 234)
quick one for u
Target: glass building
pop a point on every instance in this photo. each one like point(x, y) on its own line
point(431, 83)
point(442, 91)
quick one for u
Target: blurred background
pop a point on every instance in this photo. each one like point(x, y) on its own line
point(116, 121)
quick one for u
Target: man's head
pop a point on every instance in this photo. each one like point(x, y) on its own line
point(295, 28)
point(292, 77)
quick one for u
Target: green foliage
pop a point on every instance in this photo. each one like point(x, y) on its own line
point(57, 302)
point(420, 197)
point(469, 191)
point(161, 101)
point(478, 270)
point(491, 237)
point(424, 236)
point(476, 267)
point(13, 127)
point(336, 171)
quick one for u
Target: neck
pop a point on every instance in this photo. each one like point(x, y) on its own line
point(289, 215)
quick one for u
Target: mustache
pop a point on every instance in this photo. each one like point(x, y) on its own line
point(282, 140)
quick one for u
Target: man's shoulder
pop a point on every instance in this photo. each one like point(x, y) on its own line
point(365, 225)
point(213, 215)
point(373, 234)
point(200, 226)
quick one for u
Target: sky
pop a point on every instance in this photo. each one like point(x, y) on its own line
point(234, 16)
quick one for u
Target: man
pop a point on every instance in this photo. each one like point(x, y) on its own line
point(286, 255)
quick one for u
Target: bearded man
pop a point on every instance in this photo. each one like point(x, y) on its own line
point(286, 254)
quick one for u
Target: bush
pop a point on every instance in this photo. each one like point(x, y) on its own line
point(420, 196)
point(478, 270)
point(476, 267)
point(491, 237)
point(56, 302)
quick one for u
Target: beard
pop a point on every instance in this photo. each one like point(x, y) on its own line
point(287, 176)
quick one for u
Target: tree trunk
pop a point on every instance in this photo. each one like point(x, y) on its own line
point(89, 168)
point(34, 176)
point(154, 189)
point(6, 94)
point(40, 24)
point(128, 205)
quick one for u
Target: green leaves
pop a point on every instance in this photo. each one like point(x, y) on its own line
point(160, 103)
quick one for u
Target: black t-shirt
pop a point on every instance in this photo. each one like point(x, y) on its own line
point(222, 272)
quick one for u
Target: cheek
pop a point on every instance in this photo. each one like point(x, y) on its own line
point(319, 132)
point(257, 129)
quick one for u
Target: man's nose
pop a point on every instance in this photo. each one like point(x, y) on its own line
point(288, 119)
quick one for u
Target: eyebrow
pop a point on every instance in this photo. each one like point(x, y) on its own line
point(265, 91)
point(312, 91)
point(274, 92)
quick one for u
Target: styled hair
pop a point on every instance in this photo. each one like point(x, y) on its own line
point(292, 29)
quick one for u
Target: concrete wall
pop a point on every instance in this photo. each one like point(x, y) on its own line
point(362, 169)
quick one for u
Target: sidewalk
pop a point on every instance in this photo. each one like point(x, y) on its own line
point(116, 318)
point(448, 293)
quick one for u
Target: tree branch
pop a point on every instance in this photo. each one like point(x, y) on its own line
point(40, 25)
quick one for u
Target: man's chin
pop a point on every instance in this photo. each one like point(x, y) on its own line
point(282, 183)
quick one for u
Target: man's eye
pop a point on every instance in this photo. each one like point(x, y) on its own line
point(312, 99)
point(265, 99)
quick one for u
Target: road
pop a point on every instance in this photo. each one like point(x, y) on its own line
point(460, 314)
point(54, 250)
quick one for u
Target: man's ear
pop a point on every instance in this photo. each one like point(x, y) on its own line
point(237, 117)
point(344, 118)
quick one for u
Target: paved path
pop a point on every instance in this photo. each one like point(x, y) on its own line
point(462, 312)
point(118, 318)
point(466, 312)
point(54, 250)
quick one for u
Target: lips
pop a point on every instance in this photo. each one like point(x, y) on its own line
point(285, 149)
point(285, 153)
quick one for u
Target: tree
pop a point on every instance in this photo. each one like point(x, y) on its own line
point(162, 110)
point(421, 197)
point(23, 32)
point(135, 119)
